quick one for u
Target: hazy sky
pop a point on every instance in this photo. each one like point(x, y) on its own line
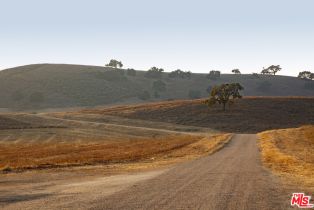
point(191, 35)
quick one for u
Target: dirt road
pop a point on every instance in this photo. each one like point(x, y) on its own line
point(63, 189)
point(232, 178)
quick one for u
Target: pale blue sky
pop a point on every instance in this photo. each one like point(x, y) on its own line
point(191, 35)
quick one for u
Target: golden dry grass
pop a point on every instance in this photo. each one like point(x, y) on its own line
point(49, 155)
point(37, 155)
point(30, 141)
point(289, 153)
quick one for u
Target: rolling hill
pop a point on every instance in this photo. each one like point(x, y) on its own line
point(40, 86)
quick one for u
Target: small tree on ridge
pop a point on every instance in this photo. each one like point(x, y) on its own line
point(236, 71)
point(306, 75)
point(114, 63)
point(273, 69)
point(223, 94)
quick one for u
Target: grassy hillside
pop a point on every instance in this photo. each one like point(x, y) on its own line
point(60, 85)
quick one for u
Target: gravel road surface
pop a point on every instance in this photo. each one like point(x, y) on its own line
point(232, 178)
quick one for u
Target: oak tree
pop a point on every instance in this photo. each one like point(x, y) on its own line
point(306, 75)
point(236, 71)
point(114, 63)
point(223, 94)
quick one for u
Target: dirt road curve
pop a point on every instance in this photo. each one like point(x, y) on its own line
point(232, 178)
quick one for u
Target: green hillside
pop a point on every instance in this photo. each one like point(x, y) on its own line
point(60, 85)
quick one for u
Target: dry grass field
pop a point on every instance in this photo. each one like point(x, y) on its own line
point(248, 115)
point(151, 133)
point(289, 152)
point(74, 159)
point(38, 141)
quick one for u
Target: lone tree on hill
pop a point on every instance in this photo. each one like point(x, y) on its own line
point(306, 75)
point(236, 71)
point(114, 63)
point(273, 69)
point(223, 94)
